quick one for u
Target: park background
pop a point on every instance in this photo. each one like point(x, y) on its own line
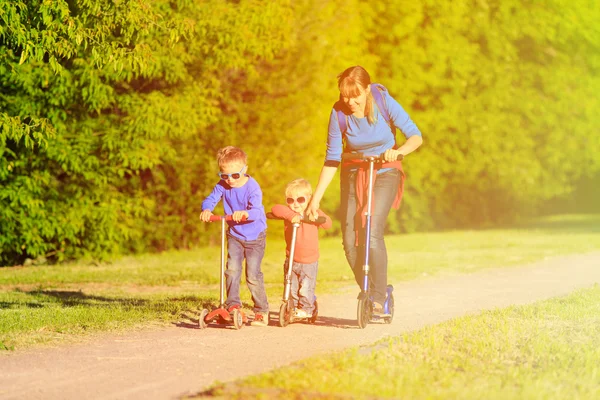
point(111, 112)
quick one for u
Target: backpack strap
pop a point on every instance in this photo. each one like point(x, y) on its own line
point(376, 91)
point(342, 121)
point(340, 111)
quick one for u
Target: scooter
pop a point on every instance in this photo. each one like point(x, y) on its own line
point(287, 308)
point(220, 314)
point(364, 310)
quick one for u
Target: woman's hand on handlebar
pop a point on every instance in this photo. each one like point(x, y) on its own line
point(391, 155)
point(311, 211)
point(205, 215)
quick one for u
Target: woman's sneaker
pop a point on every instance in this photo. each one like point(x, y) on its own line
point(378, 309)
point(260, 319)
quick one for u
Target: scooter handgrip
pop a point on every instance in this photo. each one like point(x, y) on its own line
point(318, 221)
point(214, 218)
point(400, 157)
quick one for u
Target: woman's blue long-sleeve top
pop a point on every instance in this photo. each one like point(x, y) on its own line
point(371, 140)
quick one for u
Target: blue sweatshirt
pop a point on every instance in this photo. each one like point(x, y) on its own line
point(246, 198)
point(371, 140)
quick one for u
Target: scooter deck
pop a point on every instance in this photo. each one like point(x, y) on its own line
point(221, 312)
point(380, 316)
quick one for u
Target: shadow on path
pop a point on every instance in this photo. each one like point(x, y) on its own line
point(189, 320)
point(52, 299)
point(337, 322)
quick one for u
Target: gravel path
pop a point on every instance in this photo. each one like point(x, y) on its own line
point(168, 363)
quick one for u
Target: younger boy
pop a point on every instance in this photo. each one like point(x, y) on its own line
point(306, 252)
point(242, 198)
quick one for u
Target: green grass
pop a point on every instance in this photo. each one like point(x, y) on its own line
point(548, 350)
point(49, 304)
point(47, 316)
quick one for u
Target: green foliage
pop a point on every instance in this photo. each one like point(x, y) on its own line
point(99, 95)
point(504, 93)
point(112, 111)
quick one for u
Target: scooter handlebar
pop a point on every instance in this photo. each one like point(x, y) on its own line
point(214, 218)
point(318, 221)
point(362, 157)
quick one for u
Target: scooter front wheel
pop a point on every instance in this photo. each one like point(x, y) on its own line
point(201, 322)
point(363, 312)
point(238, 319)
point(285, 314)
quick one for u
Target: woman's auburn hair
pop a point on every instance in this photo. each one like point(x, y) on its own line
point(350, 83)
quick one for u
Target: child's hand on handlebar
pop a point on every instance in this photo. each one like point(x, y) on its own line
point(237, 216)
point(205, 215)
point(296, 219)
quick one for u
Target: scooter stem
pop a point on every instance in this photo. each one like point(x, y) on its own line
point(222, 288)
point(368, 228)
point(288, 276)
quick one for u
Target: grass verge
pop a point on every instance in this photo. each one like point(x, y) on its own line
point(548, 350)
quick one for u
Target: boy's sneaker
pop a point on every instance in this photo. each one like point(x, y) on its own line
point(300, 313)
point(233, 307)
point(260, 319)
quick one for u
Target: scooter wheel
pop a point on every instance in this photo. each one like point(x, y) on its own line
point(238, 319)
point(201, 322)
point(363, 312)
point(390, 307)
point(315, 313)
point(285, 313)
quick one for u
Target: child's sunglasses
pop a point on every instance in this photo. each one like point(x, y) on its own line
point(300, 200)
point(235, 175)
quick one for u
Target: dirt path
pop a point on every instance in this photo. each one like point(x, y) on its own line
point(168, 363)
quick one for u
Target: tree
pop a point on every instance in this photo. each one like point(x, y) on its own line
point(94, 93)
point(493, 85)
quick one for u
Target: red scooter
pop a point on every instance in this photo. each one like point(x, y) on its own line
point(286, 311)
point(220, 314)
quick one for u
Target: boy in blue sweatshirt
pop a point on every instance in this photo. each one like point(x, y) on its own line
point(246, 239)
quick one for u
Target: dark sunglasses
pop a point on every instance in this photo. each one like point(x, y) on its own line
point(235, 175)
point(300, 200)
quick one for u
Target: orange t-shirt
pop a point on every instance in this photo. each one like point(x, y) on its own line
point(307, 236)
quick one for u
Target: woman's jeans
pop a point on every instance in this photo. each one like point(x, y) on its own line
point(304, 282)
point(385, 190)
point(253, 251)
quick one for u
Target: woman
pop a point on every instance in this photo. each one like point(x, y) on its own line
point(358, 124)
